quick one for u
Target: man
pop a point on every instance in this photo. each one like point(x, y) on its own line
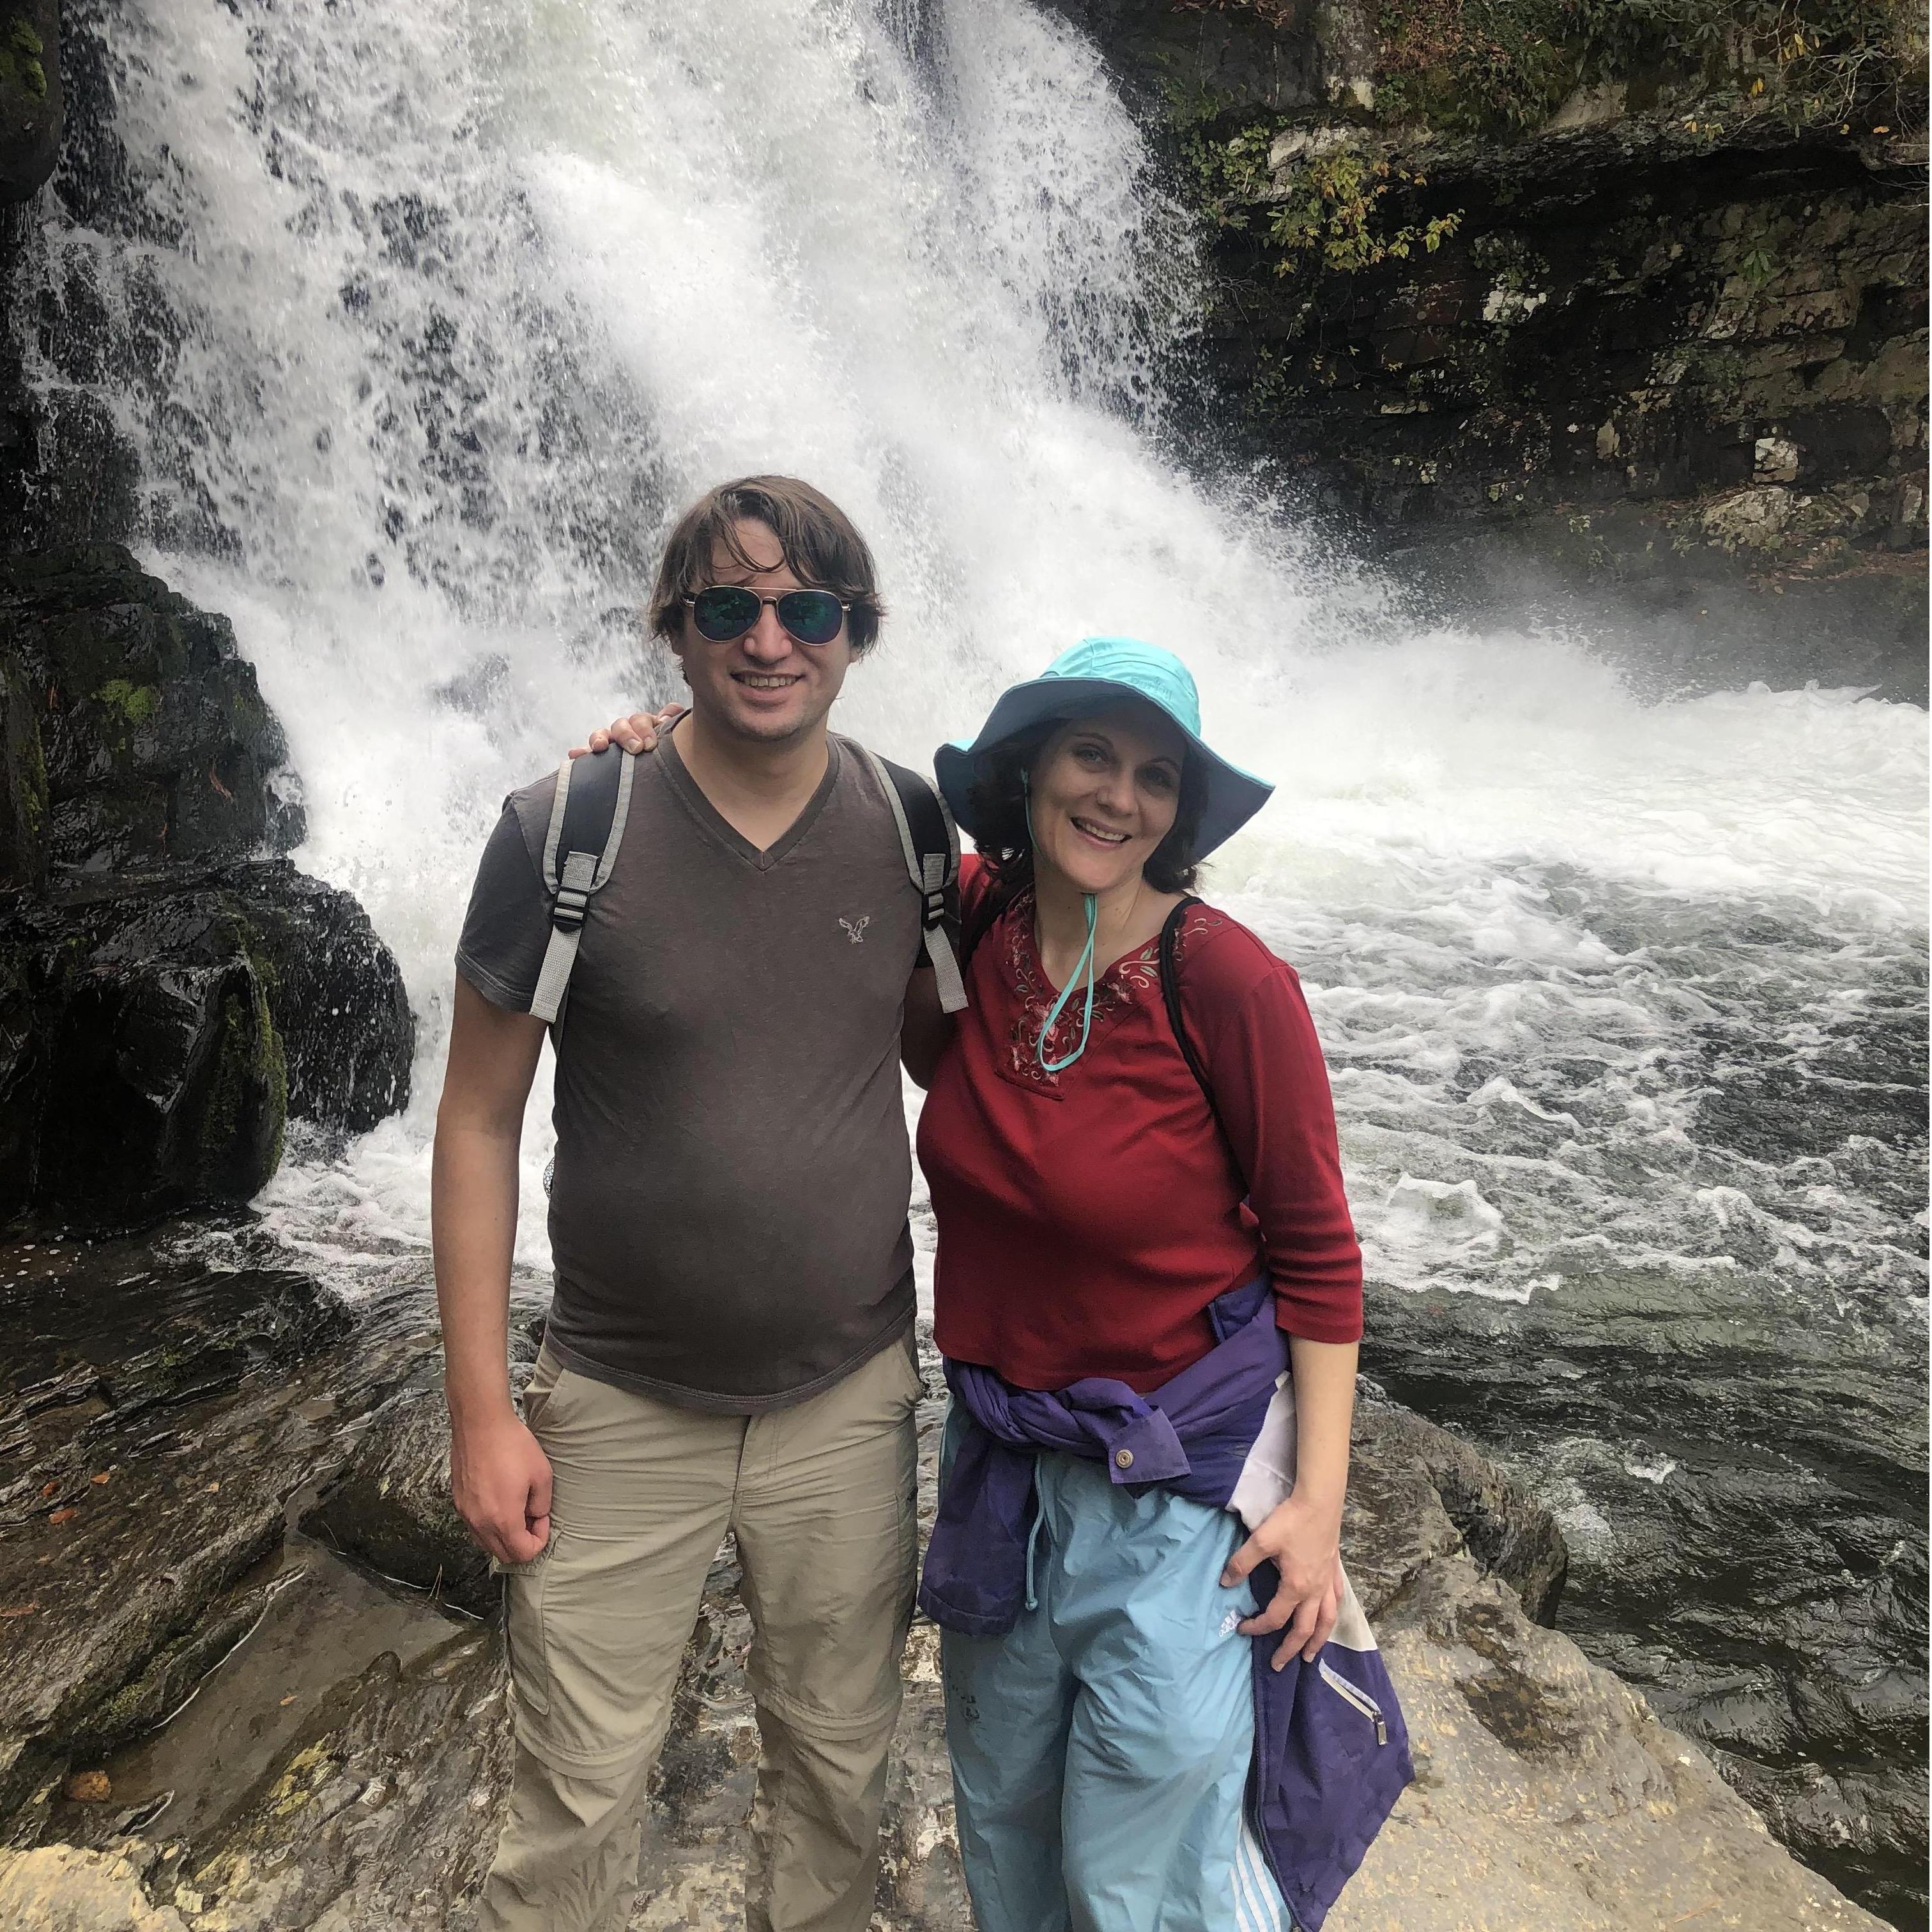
point(730, 1343)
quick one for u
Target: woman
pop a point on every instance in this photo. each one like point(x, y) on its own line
point(1109, 1221)
point(1131, 1151)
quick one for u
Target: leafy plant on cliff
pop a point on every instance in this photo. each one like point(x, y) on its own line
point(1231, 175)
point(1321, 206)
point(1466, 65)
point(1328, 206)
point(1812, 62)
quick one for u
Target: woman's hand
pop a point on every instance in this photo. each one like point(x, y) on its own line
point(1304, 1540)
point(639, 732)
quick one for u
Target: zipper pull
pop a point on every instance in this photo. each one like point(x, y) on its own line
point(1381, 1732)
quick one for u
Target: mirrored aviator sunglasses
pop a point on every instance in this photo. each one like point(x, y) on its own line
point(727, 610)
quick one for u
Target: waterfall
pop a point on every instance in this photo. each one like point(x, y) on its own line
point(428, 318)
point(441, 313)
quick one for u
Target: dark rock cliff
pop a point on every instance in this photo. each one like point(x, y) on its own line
point(170, 992)
point(1574, 319)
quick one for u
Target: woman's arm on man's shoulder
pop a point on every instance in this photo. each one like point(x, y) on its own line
point(639, 732)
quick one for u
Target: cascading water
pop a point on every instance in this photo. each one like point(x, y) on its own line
point(426, 319)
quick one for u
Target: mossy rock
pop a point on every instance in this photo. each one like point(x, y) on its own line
point(132, 722)
point(164, 1092)
point(157, 1034)
point(30, 95)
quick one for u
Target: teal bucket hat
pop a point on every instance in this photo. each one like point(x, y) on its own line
point(1096, 673)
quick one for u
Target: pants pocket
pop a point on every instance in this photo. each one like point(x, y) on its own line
point(917, 1392)
point(537, 1391)
point(524, 1629)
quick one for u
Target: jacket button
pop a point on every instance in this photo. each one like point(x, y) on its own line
point(1124, 1459)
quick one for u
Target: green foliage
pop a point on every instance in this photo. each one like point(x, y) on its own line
point(136, 702)
point(1329, 208)
point(20, 59)
point(1318, 207)
point(1469, 65)
point(1230, 176)
point(1811, 61)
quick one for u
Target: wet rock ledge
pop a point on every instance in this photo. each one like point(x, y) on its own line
point(227, 1487)
point(172, 992)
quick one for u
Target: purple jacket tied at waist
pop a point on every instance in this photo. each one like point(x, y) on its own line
point(1331, 1752)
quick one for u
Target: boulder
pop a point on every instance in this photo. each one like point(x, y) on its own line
point(1547, 1794)
point(390, 1508)
point(30, 95)
point(382, 1816)
point(157, 1029)
point(64, 1889)
point(169, 994)
point(1604, 339)
point(136, 737)
point(164, 1421)
point(1416, 1493)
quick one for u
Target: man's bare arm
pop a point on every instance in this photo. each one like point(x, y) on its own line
point(499, 1477)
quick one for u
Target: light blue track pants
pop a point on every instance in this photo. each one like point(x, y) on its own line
point(1100, 1750)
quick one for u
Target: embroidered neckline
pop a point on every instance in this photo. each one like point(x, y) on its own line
point(1123, 985)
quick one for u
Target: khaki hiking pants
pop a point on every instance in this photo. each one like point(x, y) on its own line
point(820, 1495)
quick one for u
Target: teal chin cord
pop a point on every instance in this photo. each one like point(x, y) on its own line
point(1084, 964)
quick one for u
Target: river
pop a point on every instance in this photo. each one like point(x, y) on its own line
point(425, 318)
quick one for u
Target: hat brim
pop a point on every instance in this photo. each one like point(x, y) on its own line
point(1234, 796)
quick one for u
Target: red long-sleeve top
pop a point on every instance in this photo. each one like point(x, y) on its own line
point(1086, 1218)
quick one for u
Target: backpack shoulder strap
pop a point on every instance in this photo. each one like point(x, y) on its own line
point(586, 827)
point(986, 915)
point(931, 843)
point(1170, 994)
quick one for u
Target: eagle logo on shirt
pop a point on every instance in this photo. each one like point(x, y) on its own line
point(855, 929)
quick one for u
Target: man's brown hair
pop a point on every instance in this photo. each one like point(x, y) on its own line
point(822, 547)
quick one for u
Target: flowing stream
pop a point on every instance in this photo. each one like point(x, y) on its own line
point(426, 318)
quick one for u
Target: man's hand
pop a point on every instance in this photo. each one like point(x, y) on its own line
point(500, 1481)
point(1304, 1541)
point(638, 733)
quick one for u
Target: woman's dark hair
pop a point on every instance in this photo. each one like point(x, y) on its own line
point(997, 800)
point(821, 544)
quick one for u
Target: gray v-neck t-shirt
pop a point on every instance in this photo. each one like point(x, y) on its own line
point(728, 1213)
